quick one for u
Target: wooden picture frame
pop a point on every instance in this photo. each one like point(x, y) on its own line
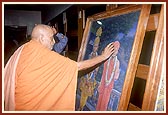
point(126, 27)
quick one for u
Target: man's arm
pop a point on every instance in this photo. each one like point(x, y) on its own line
point(62, 38)
point(58, 47)
point(108, 51)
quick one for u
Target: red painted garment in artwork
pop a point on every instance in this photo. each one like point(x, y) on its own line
point(110, 74)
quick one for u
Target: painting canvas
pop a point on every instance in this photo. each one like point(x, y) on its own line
point(100, 90)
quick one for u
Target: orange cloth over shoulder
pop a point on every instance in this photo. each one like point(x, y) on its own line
point(45, 80)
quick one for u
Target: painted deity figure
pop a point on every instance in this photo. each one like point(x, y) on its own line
point(88, 82)
point(110, 74)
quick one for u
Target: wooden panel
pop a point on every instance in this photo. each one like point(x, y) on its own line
point(142, 71)
point(153, 22)
point(111, 6)
point(80, 28)
point(155, 67)
point(120, 11)
point(132, 66)
point(84, 41)
point(72, 33)
point(132, 107)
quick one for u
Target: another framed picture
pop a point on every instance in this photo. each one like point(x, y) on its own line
point(108, 87)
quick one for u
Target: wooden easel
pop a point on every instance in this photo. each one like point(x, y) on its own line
point(151, 73)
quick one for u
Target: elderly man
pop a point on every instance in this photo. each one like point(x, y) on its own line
point(36, 78)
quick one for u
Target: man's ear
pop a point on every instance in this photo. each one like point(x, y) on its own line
point(41, 38)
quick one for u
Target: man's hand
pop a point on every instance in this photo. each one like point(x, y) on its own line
point(108, 51)
point(54, 30)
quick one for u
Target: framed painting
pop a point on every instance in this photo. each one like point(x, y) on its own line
point(108, 87)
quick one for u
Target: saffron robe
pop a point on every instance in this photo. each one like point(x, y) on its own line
point(44, 80)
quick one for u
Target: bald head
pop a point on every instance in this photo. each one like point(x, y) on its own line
point(41, 30)
point(43, 34)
